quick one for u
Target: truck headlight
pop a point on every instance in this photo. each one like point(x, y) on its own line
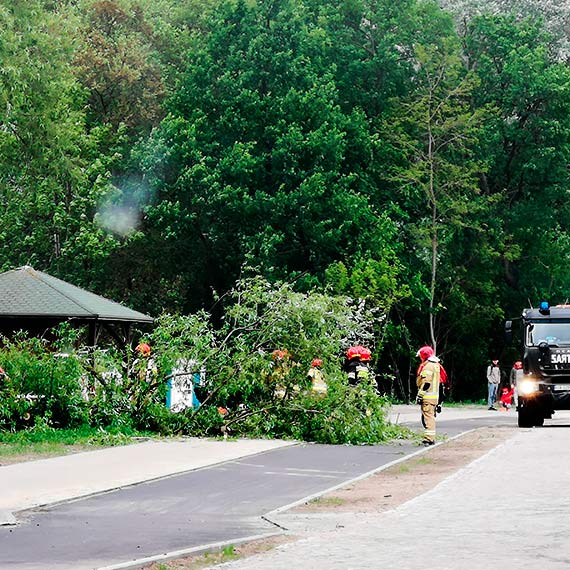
point(527, 387)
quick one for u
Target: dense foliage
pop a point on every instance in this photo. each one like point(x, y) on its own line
point(250, 387)
point(382, 151)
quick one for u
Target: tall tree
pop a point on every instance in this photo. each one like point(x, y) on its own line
point(119, 66)
point(436, 130)
point(260, 163)
point(528, 149)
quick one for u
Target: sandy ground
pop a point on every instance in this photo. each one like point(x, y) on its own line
point(380, 492)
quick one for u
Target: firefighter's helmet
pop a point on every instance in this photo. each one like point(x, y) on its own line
point(365, 354)
point(425, 352)
point(143, 349)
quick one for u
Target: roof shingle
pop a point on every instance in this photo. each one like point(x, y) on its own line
point(25, 292)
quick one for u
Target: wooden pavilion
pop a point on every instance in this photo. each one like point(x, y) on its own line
point(35, 302)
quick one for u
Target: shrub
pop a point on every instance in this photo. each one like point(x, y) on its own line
point(39, 383)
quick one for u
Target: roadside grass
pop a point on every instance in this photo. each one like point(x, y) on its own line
point(195, 563)
point(448, 403)
point(327, 501)
point(226, 554)
point(409, 465)
point(465, 404)
point(41, 442)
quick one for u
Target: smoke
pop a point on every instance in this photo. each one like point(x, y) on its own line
point(119, 219)
point(121, 211)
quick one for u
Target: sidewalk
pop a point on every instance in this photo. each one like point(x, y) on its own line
point(508, 510)
point(48, 481)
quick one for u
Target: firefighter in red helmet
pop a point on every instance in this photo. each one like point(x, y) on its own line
point(356, 365)
point(316, 377)
point(428, 378)
point(350, 364)
point(143, 349)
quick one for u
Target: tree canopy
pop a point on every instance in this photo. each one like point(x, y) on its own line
point(410, 155)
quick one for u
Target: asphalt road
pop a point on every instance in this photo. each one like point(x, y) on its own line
point(457, 426)
point(221, 503)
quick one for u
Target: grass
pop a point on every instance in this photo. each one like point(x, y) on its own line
point(465, 404)
point(42, 442)
point(328, 501)
point(408, 465)
point(213, 558)
point(448, 403)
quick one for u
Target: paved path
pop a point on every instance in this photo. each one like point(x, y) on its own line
point(65, 478)
point(49, 481)
point(410, 414)
point(508, 509)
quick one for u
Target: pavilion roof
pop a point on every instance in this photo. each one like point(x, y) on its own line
point(27, 293)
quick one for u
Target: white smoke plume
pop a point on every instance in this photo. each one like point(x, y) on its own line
point(121, 211)
point(119, 219)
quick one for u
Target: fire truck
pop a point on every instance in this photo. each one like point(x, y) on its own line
point(545, 385)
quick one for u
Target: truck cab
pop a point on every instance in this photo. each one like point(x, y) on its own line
point(545, 386)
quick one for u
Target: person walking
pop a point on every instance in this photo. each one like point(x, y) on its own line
point(427, 379)
point(493, 381)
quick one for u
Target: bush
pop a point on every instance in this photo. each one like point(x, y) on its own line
point(39, 383)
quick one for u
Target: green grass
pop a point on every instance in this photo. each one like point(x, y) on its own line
point(465, 404)
point(424, 461)
point(38, 442)
point(328, 501)
point(407, 466)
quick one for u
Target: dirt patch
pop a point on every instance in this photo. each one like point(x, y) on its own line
point(387, 489)
point(208, 559)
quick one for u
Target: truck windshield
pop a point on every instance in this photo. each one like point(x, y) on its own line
point(555, 334)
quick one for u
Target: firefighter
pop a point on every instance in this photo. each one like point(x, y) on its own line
point(351, 364)
point(356, 365)
point(427, 379)
point(363, 367)
point(316, 377)
point(144, 363)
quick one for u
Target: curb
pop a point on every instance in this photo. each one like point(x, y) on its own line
point(141, 562)
point(7, 519)
point(364, 475)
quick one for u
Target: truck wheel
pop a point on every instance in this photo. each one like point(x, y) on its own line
point(526, 418)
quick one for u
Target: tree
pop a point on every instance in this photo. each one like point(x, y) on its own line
point(118, 64)
point(257, 160)
point(555, 16)
point(527, 148)
point(437, 132)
